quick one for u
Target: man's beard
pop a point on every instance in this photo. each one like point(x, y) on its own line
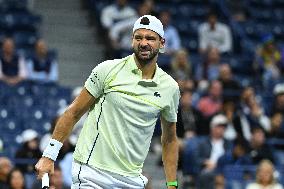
point(145, 59)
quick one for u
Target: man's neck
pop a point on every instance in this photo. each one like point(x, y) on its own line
point(148, 69)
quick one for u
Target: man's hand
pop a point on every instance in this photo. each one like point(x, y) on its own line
point(44, 165)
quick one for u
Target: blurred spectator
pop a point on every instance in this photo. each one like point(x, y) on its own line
point(5, 168)
point(238, 10)
point(201, 154)
point(277, 126)
point(214, 34)
point(118, 11)
point(42, 67)
point(238, 156)
point(250, 115)
point(171, 35)
point(187, 84)
point(151, 7)
point(189, 119)
point(16, 179)
point(268, 59)
point(278, 103)
point(66, 168)
point(258, 149)
point(228, 110)
point(56, 180)
point(28, 150)
point(209, 69)
point(120, 33)
point(265, 177)
point(12, 67)
point(211, 103)
point(181, 66)
point(231, 87)
point(211, 149)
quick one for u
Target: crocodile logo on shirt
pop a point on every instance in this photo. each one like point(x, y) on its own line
point(156, 94)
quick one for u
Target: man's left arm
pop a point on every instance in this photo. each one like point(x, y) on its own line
point(169, 150)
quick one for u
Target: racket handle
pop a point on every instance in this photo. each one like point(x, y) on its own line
point(45, 181)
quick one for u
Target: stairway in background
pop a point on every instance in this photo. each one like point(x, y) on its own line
point(65, 27)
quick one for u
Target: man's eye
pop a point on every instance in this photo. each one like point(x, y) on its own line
point(151, 38)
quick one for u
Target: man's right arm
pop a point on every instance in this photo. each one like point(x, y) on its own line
point(65, 125)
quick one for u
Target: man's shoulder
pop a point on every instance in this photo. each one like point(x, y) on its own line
point(110, 64)
point(165, 77)
point(222, 26)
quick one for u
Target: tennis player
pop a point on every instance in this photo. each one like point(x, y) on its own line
point(124, 97)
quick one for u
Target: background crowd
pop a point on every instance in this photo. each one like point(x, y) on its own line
point(227, 57)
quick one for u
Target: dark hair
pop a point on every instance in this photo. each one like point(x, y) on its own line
point(9, 178)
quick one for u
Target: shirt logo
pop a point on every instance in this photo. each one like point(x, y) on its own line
point(51, 144)
point(156, 94)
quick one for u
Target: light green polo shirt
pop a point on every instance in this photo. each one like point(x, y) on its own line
point(117, 132)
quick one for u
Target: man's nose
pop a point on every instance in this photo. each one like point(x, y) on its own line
point(144, 42)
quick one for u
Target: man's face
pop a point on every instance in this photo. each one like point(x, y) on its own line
point(146, 45)
point(212, 19)
point(8, 46)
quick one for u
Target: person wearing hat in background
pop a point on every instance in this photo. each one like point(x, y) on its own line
point(210, 150)
point(28, 150)
point(124, 97)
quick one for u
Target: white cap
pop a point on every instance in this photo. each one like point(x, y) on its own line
point(219, 119)
point(29, 135)
point(278, 89)
point(154, 24)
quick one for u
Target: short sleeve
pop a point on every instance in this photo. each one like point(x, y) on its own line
point(95, 82)
point(169, 113)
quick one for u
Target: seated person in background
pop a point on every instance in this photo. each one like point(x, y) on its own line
point(231, 87)
point(249, 115)
point(16, 179)
point(56, 180)
point(172, 43)
point(277, 126)
point(211, 149)
point(42, 67)
point(278, 99)
point(210, 104)
point(5, 168)
point(214, 34)
point(268, 59)
point(265, 177)
point(28, 150)
point(188, 119)
point(258, 149)
point(228, 109)
point(209, 69)
point(120, 34)
point(113, 13)
point(181, 66)
point(238, 156)
point(12, 67)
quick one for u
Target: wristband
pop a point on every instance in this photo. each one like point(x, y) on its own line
point(172, 183)
point(52, 149)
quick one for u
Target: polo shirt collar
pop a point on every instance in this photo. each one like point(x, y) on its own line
point(135, 70)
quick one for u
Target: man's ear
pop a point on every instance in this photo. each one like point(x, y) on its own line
point(163, 41)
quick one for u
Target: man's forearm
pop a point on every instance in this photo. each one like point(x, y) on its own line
point(64, 126)
point(170, 158)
